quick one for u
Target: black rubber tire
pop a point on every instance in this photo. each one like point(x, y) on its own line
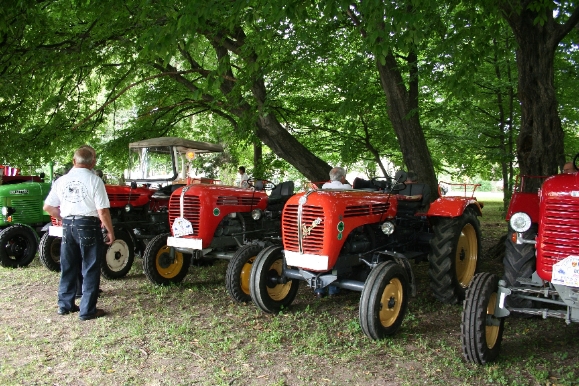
point(481, 343)
point(447, 248)
point(388, 283)
point(519, 261)
point(119, 256)
point(49, 252)
point(159, 267)
point(267, 295)
point(18, 245)
point(237, 277)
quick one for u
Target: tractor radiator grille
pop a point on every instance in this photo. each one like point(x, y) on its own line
point(232, 200)
point(27, 210)
point(311, 243)
point(559, 231)
point(191, 209)
point(122, 197)
point(366, 210)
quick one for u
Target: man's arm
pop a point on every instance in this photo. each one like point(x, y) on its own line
point(53, 211)
point(105, 217)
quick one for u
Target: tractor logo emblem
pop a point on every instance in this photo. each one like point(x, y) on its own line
point(216, 212)
point(20, 191)
point(306, 230)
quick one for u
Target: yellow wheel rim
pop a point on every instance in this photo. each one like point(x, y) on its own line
point(466, 255)
point(171, 270)
point(246, 275)
point(391, 302)
point(492, 332)
point(280, 291)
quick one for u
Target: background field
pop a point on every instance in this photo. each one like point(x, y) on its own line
point(193, 334)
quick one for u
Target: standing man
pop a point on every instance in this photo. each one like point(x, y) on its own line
point(243, 177)
point(337, 180)
point(80, 201)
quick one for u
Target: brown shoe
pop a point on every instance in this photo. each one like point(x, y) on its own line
point(99, 312)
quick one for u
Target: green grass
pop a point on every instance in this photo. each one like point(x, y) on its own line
point(193, 334)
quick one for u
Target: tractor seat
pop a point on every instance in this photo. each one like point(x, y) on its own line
point(281, 193)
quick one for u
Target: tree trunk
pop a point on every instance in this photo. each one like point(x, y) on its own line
point(403, 113)
point(540, 148)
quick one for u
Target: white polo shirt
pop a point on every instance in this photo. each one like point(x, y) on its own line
point(78, 193)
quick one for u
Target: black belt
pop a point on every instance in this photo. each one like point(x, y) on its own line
point(81, 218)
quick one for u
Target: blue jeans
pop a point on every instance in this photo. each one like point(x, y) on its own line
point(82, 250)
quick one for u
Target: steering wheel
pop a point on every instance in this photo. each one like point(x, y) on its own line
point(382, 183)
point(575, 161)
point(259, 184)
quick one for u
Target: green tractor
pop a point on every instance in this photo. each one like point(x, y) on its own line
point(22, 217)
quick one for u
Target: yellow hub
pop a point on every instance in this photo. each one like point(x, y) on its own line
point(466, 255)
point(492, 332)
point(168, 271)
point(246, 275)
point(391, 302)
point(280, 291)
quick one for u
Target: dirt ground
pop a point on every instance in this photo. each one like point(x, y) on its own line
point(194, 334)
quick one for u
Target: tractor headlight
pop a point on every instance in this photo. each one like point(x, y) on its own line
point(256, 214)
point(128, 208)
point(7, 211)
point(387, 228)
point(520, 222)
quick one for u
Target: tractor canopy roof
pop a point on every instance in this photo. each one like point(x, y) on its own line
point(181, 144)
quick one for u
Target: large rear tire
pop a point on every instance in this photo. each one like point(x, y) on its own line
point(119, 256)
point(481, 331)
point(266, 292)
point(160, 268)
point(49, 252)
point(519, 261)
point(18, 244)
point(454, 252)
point(238, 273)
point(384, 300)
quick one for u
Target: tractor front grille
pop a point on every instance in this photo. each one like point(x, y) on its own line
point(28, 210)
point(559, 231)
point(191, 209)
point(123, 197)
point(312, 243)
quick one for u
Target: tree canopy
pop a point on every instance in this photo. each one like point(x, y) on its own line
point(435, 88)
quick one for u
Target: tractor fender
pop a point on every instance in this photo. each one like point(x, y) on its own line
point(27, 226)
point(453, 207)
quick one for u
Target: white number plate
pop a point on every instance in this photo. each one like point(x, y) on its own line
point(566, 272)
point(182, 227)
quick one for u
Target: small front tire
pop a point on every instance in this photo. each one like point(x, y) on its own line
point(160, 268)
point(18, 244)
point(481, 331)
point(266, 290)
point(384, 300)
point(119, 256)
point(49, 252)
point(237, 278)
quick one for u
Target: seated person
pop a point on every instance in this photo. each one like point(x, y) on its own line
point(337, 179)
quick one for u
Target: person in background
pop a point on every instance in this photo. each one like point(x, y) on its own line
point(569, 168)
point(243, 178)
point(80, 201)
point(337, 179)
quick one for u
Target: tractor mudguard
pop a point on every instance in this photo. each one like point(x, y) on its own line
point(453, 207)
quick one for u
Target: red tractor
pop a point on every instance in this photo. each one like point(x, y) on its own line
point(541, 267)
point(139, 213)
point(218, 222)
point(363, 240)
